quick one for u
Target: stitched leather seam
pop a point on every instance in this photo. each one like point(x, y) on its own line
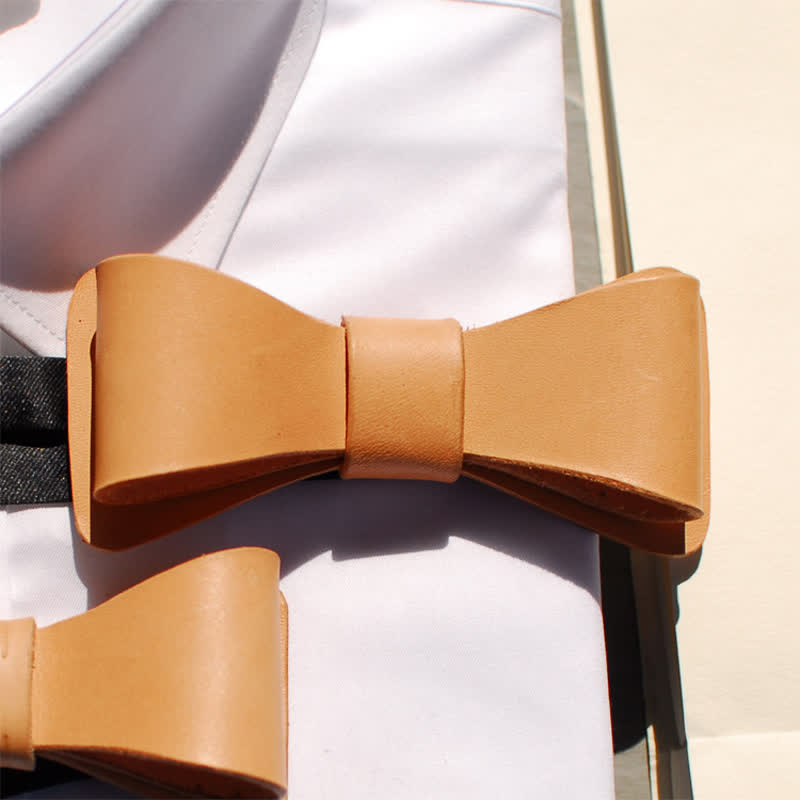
point(27, 312)
point(293, 44)
point(301, 31)
point(526, 5)
point(206, 216)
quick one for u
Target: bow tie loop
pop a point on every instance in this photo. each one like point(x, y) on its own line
point(405, 399)
point(191, 392)
point(17, 639)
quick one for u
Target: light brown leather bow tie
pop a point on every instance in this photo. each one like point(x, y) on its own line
point(176, 687)
point(190, 392)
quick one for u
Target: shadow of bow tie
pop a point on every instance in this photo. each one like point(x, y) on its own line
point(191, 392)
point(176, 687)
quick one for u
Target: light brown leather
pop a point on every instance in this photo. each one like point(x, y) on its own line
point(201, 392)
point(175, 687)
point(16, 676)
point(405, 399)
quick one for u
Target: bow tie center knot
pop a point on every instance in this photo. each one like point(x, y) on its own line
point(16, 686)
point(405, 399)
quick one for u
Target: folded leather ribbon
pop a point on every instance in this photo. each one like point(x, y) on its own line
point(176, 687)
point(190, 392)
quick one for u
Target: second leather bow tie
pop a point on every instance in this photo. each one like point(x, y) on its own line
point(190, 392)
point(175, 688)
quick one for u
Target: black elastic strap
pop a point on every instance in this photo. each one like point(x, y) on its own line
point(34, 460)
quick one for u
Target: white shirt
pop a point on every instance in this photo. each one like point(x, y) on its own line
point(444, 640)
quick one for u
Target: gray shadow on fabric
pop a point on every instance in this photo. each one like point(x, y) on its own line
point(355, 519)
point(14, 13)
point(680, 570)
point(116, 151)
point(77, 790)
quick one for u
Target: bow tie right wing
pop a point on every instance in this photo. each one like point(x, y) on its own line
point(596, 408)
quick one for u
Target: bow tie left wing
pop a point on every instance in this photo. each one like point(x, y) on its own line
point(175, 687)
point(190, 392)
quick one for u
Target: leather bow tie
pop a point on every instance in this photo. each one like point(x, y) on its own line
point(190, 392)
point(175, 687)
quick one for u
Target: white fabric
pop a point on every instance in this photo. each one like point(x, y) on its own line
point(421, 170)
point(23, 66)
point(119, 149)
point(444, 640)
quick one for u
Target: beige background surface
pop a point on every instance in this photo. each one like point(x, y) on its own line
point(709, 125)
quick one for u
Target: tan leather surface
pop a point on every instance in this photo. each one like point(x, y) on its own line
point(405, 399)
point(16, 675)
point(204, 385)
point(594, 408)
point(613, 433)
point(174, 687)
